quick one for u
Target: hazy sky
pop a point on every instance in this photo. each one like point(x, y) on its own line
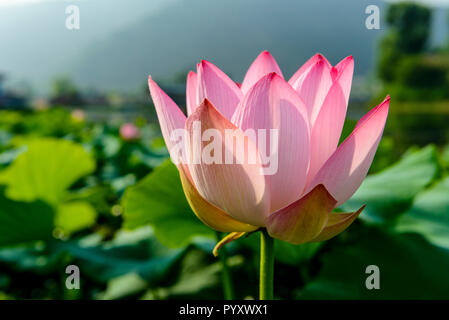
point(10, 3)
point(437, 3)
point(440, 3)
point(94, 56)
point(17, 2)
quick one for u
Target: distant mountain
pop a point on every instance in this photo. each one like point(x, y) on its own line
point(35, 44)
point(121, 42)
point(230, 34)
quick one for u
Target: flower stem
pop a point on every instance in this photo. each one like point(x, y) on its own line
point(266, 266)
point(228, 289)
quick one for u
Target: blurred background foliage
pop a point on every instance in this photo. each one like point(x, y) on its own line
point(79, 187)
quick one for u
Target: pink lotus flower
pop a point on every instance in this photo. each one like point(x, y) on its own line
point(314, 174)
point(129, 132)
point(78, 115)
